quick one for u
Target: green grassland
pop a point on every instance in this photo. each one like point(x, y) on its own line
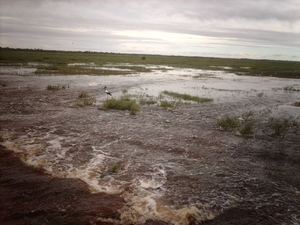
point(58, 62)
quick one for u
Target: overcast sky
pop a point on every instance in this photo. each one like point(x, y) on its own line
point(260, 29)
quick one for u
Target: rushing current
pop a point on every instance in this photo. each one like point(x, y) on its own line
point(173, 165)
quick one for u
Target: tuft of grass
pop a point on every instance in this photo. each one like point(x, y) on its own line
point(187, 97)
point(86, 102)
point(290, 88)
point(3, 84)
point(115, 168)
point(260, 94)
point(5, 180)
point(83, 95)
point(297, 104)
point(146, 100)
point(142, 99)
point(280, 127)
point(228, 122)
point(247, 128)
point(166, 104)
point(122, 104)
point(51, 87)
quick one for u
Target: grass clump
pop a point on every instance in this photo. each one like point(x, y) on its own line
point(85, 100)
point(166, 104)
point(290, 88)
point(51, 87)
point(3, 84)
point(297, 104)
point(121, 104)
point(280, 127)
point(228, 122)
point(146, 100)
point(115, 168)
point(247, 128)
point(83, 95)
point(187, 97)
point(142, 99)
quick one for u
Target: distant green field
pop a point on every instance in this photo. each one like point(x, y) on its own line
point(71, 63)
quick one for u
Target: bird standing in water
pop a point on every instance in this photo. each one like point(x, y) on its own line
point(106, 91)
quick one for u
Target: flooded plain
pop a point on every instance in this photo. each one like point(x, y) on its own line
point(175, 165)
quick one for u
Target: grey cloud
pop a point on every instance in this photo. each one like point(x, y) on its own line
point(96, 21)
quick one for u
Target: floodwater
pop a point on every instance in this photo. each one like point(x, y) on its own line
point(176, 165)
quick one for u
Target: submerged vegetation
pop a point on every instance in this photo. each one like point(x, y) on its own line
point(280, 127)
point(247, 128)
point(57, 87)
point(85, 100)
point(95, 63)
point(121, 104)
point(170, 104)
point(228, 122)
point(187, 97)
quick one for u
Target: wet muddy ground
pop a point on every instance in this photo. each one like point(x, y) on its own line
point(168, 166)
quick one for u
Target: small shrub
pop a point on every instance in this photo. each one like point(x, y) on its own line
point(114, 168)
point(228, 122)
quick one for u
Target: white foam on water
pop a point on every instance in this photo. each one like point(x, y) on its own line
point(143, 195)
point(145, 200)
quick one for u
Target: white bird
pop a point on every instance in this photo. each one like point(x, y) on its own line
point(106, 91)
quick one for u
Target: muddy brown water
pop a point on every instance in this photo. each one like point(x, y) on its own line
point(172, 166)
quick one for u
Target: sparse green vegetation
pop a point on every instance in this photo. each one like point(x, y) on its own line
point(260, 94)
point(115, 168)
point(144, 101)
point(147, 100)
point(187, 97)
point(166, 104)
point(51, 87)
point(297, 104)
point(228, 122)
point(121, 104)
point(291, 88)
point(70, 63)
point(247, 128)
point(83, 95)
point(280, 127)
point(86, 102)
point(248, 115)
point(3, 84)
